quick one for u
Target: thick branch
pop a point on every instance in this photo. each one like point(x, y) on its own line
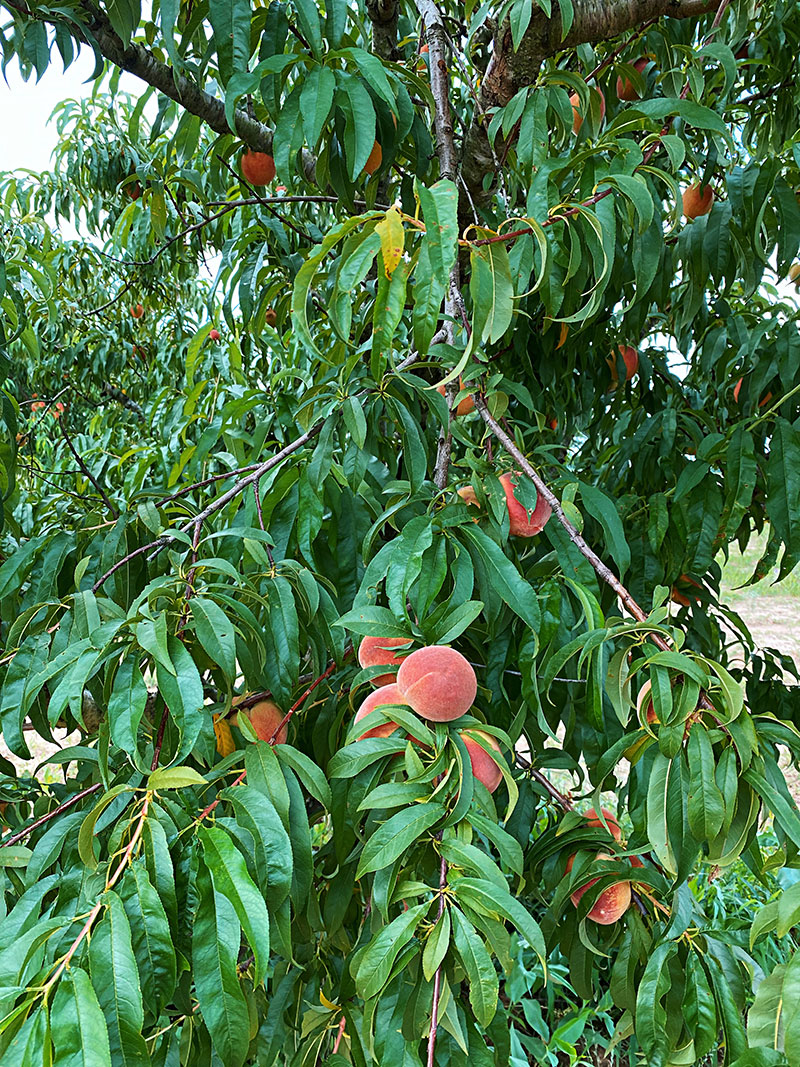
point(510, 71)
point(383, 16)
point(436, 37)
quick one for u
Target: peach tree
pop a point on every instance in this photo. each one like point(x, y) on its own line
point(383, 388)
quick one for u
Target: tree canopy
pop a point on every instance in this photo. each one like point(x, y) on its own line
point(399, 325)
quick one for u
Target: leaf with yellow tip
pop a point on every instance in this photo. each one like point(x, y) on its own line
point(328, 1003)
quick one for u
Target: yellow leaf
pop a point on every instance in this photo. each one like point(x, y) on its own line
point(327, 1003)
point(392, 235)
point(222, 732)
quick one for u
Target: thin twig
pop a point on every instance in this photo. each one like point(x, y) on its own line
point(437, 978)
point(87, 472)
point(65, 806)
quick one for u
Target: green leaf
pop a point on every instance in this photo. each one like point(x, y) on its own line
point(77, 1025)
point(150, 937)
point(307, 771)
point(230, 21)
point(15, 856)
point(396, 835)
point(183, 694)
point(115, 978)
point(215, 633)
point(481, 972)
point(309, 19)
point(378, 959)
point(273, 859)
point(126, 705)
point(175, 778)
point(436, 945)
point(359, 122)
point(491, 289)
point(489, 899)
point(231, 880)
point(215, 949)
point(508, 582)
point(664, 808)
point(706, 807)
point(602, 507)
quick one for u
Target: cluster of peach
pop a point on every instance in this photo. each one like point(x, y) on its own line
point(437, 683)
point(520, 523)
point(55, 410)
point(697, 199)
point(614, 901)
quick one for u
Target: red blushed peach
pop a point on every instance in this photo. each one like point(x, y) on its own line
point(520, 523)
point(612, 902)
point(376, 651)
point(387, 694)
point(264, 717)
point(465, 406)
point(625, 88)
point(438, 683)
point(697, 201)
point(630, 357)
point(483, 766)
point(258, 168)
point(593, 820)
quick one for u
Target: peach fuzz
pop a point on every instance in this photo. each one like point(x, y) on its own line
point(387, 694)
point(264, 717)
point(376, 652)
point(258, 168)
point(577, 114)
point(438, 683)
point(520, 523)
point(483, 766)
point(593, 820)
point(697, 201)
point(612, 902)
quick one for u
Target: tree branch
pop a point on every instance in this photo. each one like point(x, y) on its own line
point(509, 71)
point(87, 472)
point(436, 36)
point(65, 806)
point(383, 15)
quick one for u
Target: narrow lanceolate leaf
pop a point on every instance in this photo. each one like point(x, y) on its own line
point(376, 964)
point(30, 1046)
point(489, 899)
point(481, 971)
point(115, 978)
point(183, 694)
point(791, 1016)
point(231, 880)
point(436, 945)
point(765, 1021)
point(77, 1025)
point(215, 632)
point(651, 1015)
point(126, 705)
point(508, 582)
point(273, 859)
point(150, 938)
point(216, 936)
point(392, 235)
point(661, 808)
point(396, 835)
point(706, 806)
point(230, 21)
point(491, 289)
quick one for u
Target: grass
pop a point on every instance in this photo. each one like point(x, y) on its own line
point(739, 567)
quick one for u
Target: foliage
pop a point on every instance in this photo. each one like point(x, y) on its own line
point(190, 516)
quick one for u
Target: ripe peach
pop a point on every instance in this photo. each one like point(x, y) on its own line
point(483, 766)
point(681, 598)
point(465, 406)
point(520, 523)
point(630, 357)
point(387, 694)
point(133, 190)
point(794, 273)
point(612, 902)
point(271, 317)
point(375, 651)
point(374, 159)
point(424, 50)
point(697, 201)
point(258, 168)
point(137, 311)
point(593, 819)
point(577, 113)
point(553, 423)
point(438, 683)
point(626, 89)
point(264, 717)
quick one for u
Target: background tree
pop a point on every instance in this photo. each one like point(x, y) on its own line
point(493, 357)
